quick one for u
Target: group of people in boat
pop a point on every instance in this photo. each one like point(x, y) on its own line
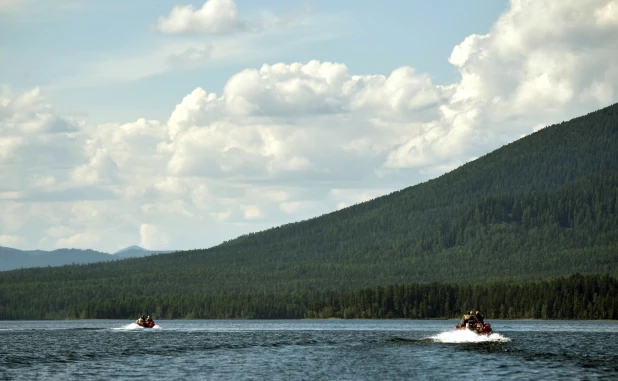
point(473, 318)
point(145, 322)
point(474, 322)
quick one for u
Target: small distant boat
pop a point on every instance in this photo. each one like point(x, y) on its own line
point(474, 326)
point(145, 324)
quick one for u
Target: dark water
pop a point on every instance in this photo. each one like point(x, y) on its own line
point(307, 350)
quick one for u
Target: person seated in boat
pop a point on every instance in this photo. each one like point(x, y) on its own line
point(149, 319)
point(466, 317)
point(471, 319)
point(479, 317)
point(140, 321)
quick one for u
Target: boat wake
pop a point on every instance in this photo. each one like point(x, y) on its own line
point(133, 326)
point(467, 336)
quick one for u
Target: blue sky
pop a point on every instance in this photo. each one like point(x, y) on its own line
point(180, 124)
point(48, 44)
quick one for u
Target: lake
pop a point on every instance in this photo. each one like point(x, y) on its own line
point(306, 350)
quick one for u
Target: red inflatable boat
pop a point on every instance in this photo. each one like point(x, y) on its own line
point(146, 324)
point(481, 329)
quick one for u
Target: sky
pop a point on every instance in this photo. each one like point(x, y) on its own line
point(181, 124)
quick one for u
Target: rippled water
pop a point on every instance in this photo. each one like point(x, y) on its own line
point(307, 350)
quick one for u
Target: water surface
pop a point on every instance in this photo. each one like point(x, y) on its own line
point(306, 350)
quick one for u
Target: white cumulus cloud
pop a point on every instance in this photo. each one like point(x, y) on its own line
point(153, 237)
point(83, 240)
point(12, 241)
point(221, 17)
point(215, 16)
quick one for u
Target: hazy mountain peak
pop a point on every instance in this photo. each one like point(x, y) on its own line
point(134, 247)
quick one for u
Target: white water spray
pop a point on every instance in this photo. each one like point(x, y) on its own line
point(467, 336)
point(133, 326)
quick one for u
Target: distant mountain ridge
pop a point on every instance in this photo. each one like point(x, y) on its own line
point(11, 259)
point(138, 252)
point(134, 247)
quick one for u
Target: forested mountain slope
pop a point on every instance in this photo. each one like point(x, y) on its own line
point(543, 206)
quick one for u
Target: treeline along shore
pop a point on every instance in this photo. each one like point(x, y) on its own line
point(579, 296)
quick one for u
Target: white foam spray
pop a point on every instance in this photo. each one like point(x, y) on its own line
point(133, 326)
point(467, 336)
